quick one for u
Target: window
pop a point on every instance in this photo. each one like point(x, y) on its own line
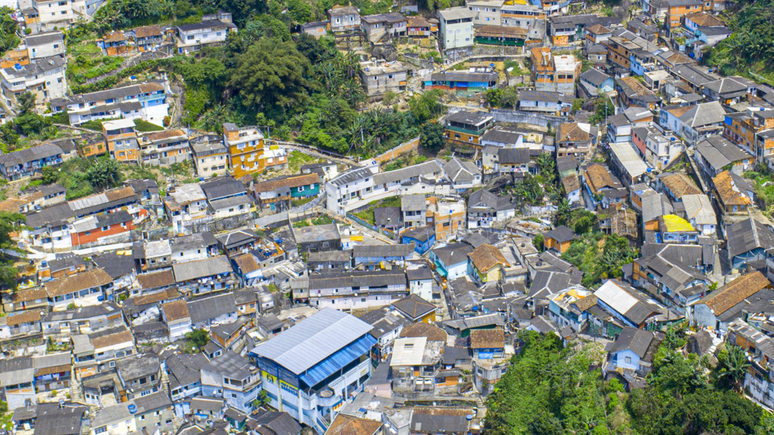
point(628, 360)
point(300, 188)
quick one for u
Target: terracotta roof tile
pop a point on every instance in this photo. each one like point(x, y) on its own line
point(487, 338)
point(726, 297)
point(81, 281)
point(485, 257)
point(176, 310)
point(23, 317)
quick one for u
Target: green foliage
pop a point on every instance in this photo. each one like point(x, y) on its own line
point(145, 126)
point(271, 75)
point(432, 136)
point(751, 45)
point(732, 366)
point(507, 97)
point(198, 338)
point(538, 241)
point(71, 306)
point(599, 110)
point(599, 261)
point(9, 222)
point(322, 220)
point(550, 390)
point(8, 38)
point(104, 173)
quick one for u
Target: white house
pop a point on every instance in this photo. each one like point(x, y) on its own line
point(191, 37)
point(456, 28)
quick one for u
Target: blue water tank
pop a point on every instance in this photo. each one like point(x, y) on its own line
point(132, 409)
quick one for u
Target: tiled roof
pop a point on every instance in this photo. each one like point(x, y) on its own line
point(487, 338)
point(71, 284)
point(485, 257)
point(735, 292)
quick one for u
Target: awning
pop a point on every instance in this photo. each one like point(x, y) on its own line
point(338, 360)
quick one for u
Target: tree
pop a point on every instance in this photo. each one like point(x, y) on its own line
point(600, 105)
point(198, 337)
point(509, 97)
point(9, 222)
point(25, 103)
point(432, 136)
point(426, 106)
point(104, 173)
point(272, 75)
point(732, 366)
point(538, 241)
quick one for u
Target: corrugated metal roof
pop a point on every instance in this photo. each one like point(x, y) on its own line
point(338, 360)
point(312, 340)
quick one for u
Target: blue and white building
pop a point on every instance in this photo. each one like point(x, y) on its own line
point(232, 378)
point(311, 369)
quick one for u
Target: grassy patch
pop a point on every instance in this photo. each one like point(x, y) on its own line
point(302, 224)
point(296, 159)
point(322, 220)
point(367, 214)
point(145, 126)
point(87, 62)
point(96, 124)
point(408, 159)
point(300, 202)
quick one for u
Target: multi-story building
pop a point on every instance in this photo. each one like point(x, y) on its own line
point(214, 31)
point(53, 15)
point(232, 378)
point(574, 139)
point(751, 130)
point(456, 28)
point(348, 190)
point(121, 140)
point(466, 128)
point(245, 149)
point(45, 45)
point(379, 77)
point(661, 147)
point(418, 370)
point(554, 73)
point(516, 14)
point(311, 381)
point(27, 162)
point(447, 215)
point(147, 101)
point(210, 156)
point(348, 290)
point(344, 18)
point(378, 26)
point(488, 12)
point(44, 77)
point(164, 148)
point(677, 9)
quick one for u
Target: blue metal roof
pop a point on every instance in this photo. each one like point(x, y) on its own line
point(338, 360)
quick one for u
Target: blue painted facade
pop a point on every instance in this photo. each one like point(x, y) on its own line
point(419, 246)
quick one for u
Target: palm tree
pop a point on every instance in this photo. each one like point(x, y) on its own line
point(562, 212)
point(733, 364)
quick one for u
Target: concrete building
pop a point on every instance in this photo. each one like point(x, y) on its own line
point(456, 28)
point(44, 77)
point(311, 368)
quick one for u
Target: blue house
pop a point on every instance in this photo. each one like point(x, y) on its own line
point(747, 242)
point(373, 256)
point(631, 349)
point(451, 261)
point(423, 238)
point(487, 343)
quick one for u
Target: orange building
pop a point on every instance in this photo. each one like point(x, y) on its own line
point(554, 73)
point(559, 239)
point(751, 130)
point(245, 149)
point(678, 9)
point(447, 216)
point(96, 227)
point(121, 139)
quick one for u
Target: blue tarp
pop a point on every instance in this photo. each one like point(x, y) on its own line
point(338, 360)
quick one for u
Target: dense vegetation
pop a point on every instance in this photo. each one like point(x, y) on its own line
point(751, 46)
point(294, 86)
point(552, 390)
point(8, 38)
point(600, 257)
point(9, 222)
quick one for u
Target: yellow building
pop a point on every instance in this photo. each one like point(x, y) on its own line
point(245, 149)
point(486, 263)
